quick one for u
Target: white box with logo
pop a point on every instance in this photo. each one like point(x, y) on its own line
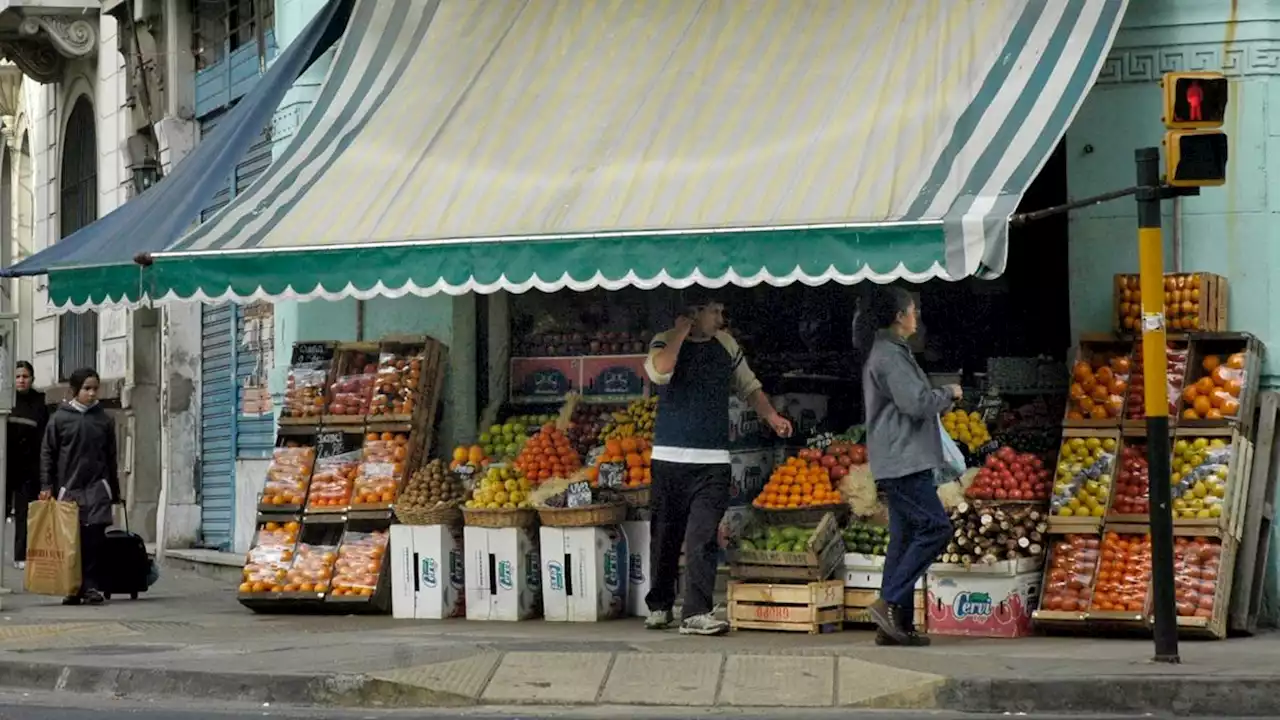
point(427, 578)
point(502, 577)
point(749, 470)
point(978, 604)
point(638, 575)
point(584, 573)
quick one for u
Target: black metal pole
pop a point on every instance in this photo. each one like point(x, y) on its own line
point(1156, 402)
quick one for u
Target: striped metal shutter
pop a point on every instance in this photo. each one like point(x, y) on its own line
point(217, 426)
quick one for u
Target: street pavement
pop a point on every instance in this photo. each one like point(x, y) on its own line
point(190, 639)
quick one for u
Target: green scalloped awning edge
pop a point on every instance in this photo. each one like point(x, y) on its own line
point(813, 256)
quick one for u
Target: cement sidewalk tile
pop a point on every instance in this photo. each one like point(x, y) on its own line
point(466, 677)
point(778, 681)
point(537, 677)
point(865, 684)
point(686, 679)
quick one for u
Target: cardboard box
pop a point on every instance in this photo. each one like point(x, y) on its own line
point(864, 579)
point(750, 471)
point(584, 573)
point(806, 411)
point(427, 577)
point(977, 605)
point(746, 430)
point(638, 575)
point(503, 581)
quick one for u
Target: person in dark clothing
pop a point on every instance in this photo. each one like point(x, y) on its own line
point(26, 430)
point(694, 366)
point(78, 464)
point(904, 446)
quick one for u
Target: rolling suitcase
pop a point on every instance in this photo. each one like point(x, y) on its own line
point(126, 569)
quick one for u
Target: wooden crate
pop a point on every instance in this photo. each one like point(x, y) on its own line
point(857, 600)
point(812, 607)
point(822, 558)
point(320, 353)
point(1201, 299)
point(349, 360)
point(1231, 521)
point(1059, 524)
point(1254, 548)
point(1224, 345)
point(1092, 349)
point(1215, 625)
point(411, 348)
point(1058, 619)
point(1139, 424)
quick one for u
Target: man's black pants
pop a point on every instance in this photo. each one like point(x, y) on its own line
point(688, 502)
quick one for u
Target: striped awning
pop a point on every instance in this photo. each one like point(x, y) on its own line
point(461, 147)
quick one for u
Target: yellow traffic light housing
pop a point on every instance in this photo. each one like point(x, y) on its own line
point(1196, 150)
point(1194, 100)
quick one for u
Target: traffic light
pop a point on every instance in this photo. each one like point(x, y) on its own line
point(1196, 150)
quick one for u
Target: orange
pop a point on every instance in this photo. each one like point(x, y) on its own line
point(1204, 385)
point(1236, 361)
point(1231, 408)
point(1189, 394)
point(1220, 376)
point(1099, 412)
point(1203, 406)
point(1190, 414)
point(629, 445)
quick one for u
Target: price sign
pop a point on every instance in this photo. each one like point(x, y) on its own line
point(315, 352)
point(612, 475)
point(331, 444)
point(578, 495)
point(467, 474)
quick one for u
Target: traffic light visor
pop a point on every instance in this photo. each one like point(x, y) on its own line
point(1199, 99)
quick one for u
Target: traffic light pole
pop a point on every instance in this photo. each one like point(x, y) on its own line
point(1156, 401)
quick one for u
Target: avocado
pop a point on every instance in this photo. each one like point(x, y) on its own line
point(746, 545)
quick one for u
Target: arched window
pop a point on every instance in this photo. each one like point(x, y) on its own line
point(78, 333)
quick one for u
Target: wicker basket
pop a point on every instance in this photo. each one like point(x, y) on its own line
point(440, 514)
point(504, 518)
point(589, 516)
point(636, 496)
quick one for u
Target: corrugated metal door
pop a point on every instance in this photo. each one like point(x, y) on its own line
point(217, 426)
point(226, 434)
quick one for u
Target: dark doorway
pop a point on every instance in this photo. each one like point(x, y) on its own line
point(78, 332)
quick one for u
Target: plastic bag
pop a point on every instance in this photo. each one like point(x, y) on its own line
point(954, 465)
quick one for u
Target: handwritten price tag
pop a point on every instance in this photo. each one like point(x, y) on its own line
point(578, 495)
point(612, 475)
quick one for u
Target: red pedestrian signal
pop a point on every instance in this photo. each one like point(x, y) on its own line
point(1194, 100)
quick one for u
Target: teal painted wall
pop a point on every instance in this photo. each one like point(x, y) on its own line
point(1230, 230)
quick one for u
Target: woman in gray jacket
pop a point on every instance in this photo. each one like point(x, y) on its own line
point(904, 446)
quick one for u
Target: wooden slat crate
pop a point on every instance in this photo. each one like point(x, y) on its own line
point(1256, 520)
point(812, 607)
point(1109, 360)
point(857, 600)
point(1224, 345)
point(1231, 521)
point(1059, 524)
point(1193, 302)
point(822, 558)
point(350, 360)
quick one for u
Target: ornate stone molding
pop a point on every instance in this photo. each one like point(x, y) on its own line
point(73, 37)
point(37, 60)
point(10, 88)
point(1147, 64)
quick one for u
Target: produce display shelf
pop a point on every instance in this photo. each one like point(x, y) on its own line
point(382, 424)
point(389, 419)
point(1222, 344)
point(307, 421)
point(343, 420)
point(272, 509)
point(300, 429)
point(1059, 525)
point(337, 516)
point(349, 599)
point(815, 607)
point(1050, 618)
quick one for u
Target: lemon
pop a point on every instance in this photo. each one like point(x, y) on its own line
point(1109, 444)
point(1065, 511)
point(1099, 511)
point(1083, 512)
point(1215, 511)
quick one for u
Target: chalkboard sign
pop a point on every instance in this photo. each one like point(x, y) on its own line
point(578, 495)
point(335, 442)
point(312, 352)
point(612, 475)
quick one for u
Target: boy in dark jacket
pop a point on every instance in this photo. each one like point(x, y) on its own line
point(78, 464)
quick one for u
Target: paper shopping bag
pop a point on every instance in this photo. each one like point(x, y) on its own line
point(53, 548)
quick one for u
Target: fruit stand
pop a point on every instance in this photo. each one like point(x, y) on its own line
point(357, 422)
point(1099, 570)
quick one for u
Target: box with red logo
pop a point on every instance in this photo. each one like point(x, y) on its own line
point(976, 604)
point(537, 380)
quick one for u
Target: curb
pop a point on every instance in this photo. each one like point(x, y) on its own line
point(1168, 694)
point(337, 690)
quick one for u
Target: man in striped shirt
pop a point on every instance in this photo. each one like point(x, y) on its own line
point(695, 366)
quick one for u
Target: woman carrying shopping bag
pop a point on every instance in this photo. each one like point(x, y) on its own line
point(905, 448)
point(78, 464)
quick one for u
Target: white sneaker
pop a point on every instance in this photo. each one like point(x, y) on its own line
point(705, 624)
point(659, 620)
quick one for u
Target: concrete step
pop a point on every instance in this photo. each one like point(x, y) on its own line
point(213, 564)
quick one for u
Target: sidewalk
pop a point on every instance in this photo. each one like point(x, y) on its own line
point(190, 638)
